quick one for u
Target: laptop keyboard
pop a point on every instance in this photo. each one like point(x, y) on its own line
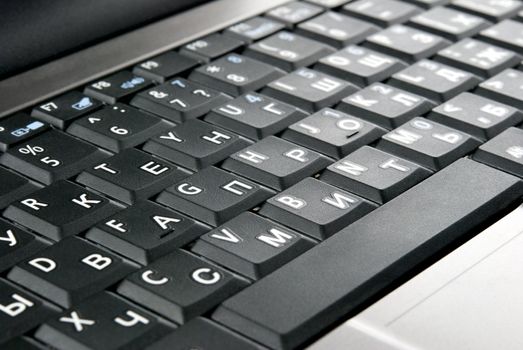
point(185, 198)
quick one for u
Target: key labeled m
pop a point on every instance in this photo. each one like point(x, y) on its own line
point(275, 238)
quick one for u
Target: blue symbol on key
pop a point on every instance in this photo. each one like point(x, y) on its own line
point(253, 98)
point(28, 128)
point(178, 83)
point(130, 84)
point(234, 59)
point(82, 104)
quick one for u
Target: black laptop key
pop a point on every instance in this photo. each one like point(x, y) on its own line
point(60, 210)
point(20, 311)
point(504, 152)
point(211, 47)
point(180, 286)
point(115, 87)
point(316, 208)
point(288, 51)
point(329, 4)
point(251, 245)
point(118, 127)
point(255, 116)
point(435, 81)
point(492, 10)
point(408, 44)
point(25, 343)
point(165, 66)
point(333, 133)
point(335, 29)
point(214, 196)
point(504, 87)
point(52, 156)
point(18, 128)
point(374, 174)
point(507, 33)
point(428, 143)
point(276, 163)
point(254, 29)
point(476, 115)
point(383, 12)
point(104, 321)
point(309, 90)
point(235, 74)
point(13, 187)
point(293, 13)
point(64, 109)
point(179, 100)
point(70, 271)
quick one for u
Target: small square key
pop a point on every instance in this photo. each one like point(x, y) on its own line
point(180, 286)
point(254, 29)
point(179, 100)
point(145, 231)
point(408, 44)
point(60, 210)
point(428, 143)
point(211, 47)
point(118, 127)
point(476, 115)
point(359, 65)
point(294, 13)
point(385, 105)
point(13, 187)
point(116, 86)
point(382, 12)
point(315, 208)
point(18, 128)
point(288, 51)
point(276, 163)
point(330, 4)
point(235, 74)
point(504, 152)
point(255, 116)
point(195, 144)
point(131, 176)
point(494, 11)
point(214, 196)
point(309, 90)
point(165, 66)
point(103, 321)
point(333, 133)
point(64, 109)
point(251, 245)
point(374, 174)
point(435, 81)
point(335, 29)
point(52, 156)
point(507, 34)
point(506, 87)
point(70, 271)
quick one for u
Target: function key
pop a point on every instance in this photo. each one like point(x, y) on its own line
point(508, 34)
point(13, 187)
point(492, 10)
point(504, 152)
point(329, 4)
point(211, 47)
point(165, 66)
point(383, 13)
point(18, 128)
point(294, 13)
point(116, 86)
point(254, 29)
point(506, 87)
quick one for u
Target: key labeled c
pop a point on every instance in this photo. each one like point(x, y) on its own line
point(146, 276)
point(206, 276)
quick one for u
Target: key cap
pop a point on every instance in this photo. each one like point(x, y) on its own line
point(428, 143)
point(333, 133)
point(115, 87)
point(60, 210)
point(52, 156)
point(18, 128)
point(293, 13)
point(339, 276)
point(197, 196)
point(255, 116)
point(385, 105)
point(384, 12)
point(504, 152)
point(478, 57)
point(336, 29)
point(309, 90)
point(211, 47)
point(428, 3)
point(449, 23)
point(505, 87)
point(329, 3)
point(179, 100)
point(20, 311)
point(492, 10)
point(235, 74)
point(408, 44)
point(165, 66)
point(315, 208)
point(435, 81)
point(180, 286)
point(118, 127)
point(64, 109)
point(288, 51)
point(131, 176)
point(70, 271)
point(507, 34)
point(359, 65)
point(104, 321)
point(251, 245)
point(13, 187)
point(476, 115)
point(373, 174)
point(276, 163)
point(195, 144)
point(23, 343)
point(189, 336)
point(253, 29)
